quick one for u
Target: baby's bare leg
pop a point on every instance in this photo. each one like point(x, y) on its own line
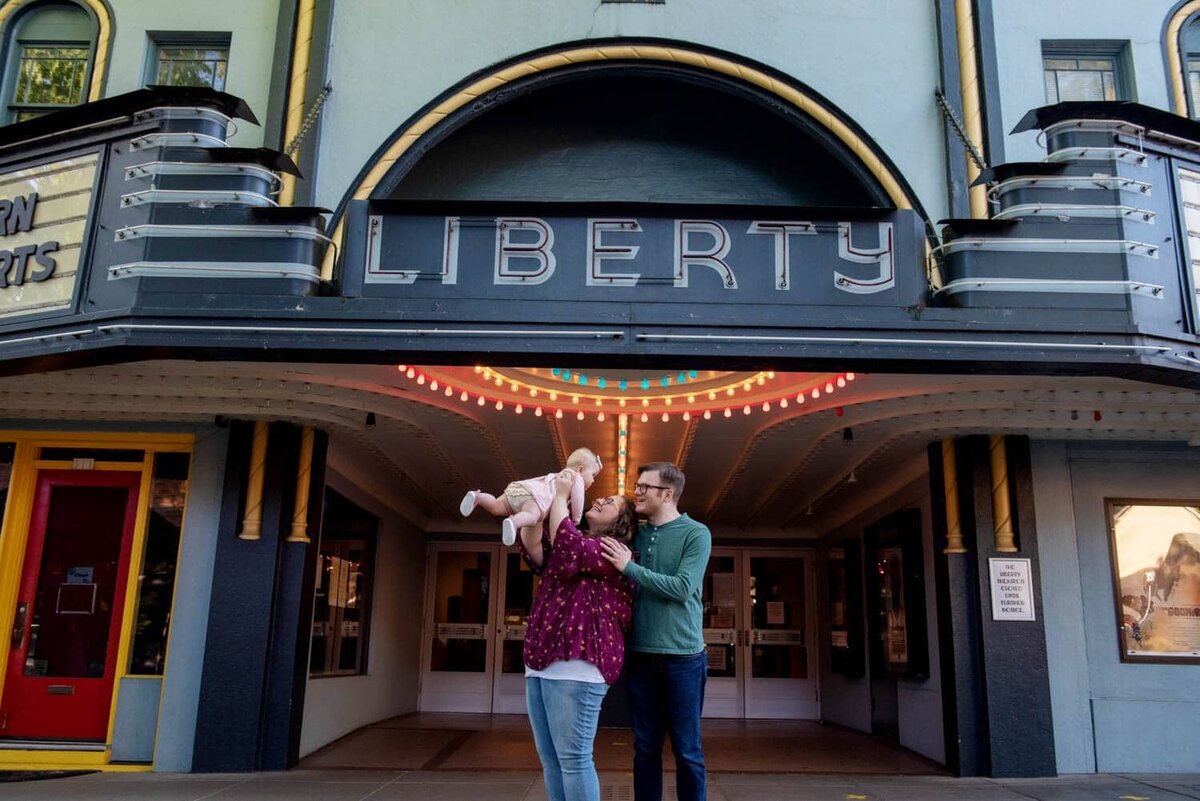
point(498, 507)
point(529, 515)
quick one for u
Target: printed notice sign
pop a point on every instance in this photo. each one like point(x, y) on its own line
point(1012, 593)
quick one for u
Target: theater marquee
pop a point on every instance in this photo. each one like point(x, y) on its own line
point(44, 213)
point(671, 254)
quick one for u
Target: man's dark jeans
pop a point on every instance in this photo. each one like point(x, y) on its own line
point(666, 693)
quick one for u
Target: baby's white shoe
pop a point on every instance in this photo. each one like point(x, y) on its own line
point(467, 504)
point(508, 532)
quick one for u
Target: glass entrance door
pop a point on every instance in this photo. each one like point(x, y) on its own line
point(759, 631)
point(473, 660)
point(780, 661)
point(723, 610)
point(63, 656)
point(458, 654)
point(518, 584)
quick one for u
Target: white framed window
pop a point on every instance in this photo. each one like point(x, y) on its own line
point(189, 59)
point(1085, 71)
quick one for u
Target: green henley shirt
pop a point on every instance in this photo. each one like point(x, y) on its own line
point(668, 616)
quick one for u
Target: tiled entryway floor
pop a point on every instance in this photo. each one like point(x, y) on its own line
point(440, 742)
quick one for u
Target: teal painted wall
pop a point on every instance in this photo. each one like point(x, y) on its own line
point(1109, 715)
point(1022, 25)
point(250, 23)
point(876, 61)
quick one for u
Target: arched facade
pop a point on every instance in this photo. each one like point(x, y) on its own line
point(481, 92)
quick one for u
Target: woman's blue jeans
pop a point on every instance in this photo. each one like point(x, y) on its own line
point(666, 694)
point(564, 716)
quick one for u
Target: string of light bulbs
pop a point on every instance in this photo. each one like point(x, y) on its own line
point(515, 384)
point(584, 405)
point(623, 384)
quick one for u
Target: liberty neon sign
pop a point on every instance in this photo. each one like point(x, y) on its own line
point(860, 257)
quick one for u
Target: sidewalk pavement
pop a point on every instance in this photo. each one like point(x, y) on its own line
point(361, 785)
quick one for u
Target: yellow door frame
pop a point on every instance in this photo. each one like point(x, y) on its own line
point(14, 534)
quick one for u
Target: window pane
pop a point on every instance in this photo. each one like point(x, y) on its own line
point(168, 497)
point(1110, 91)
point(1080, 86)
point(1157, 548)
point(7, 451)
point(1099, 64)
point(342, 602)
point(1051, 87)
point(51, 75)
point(192, 66)
point(1194, 92)
point(1061, 63)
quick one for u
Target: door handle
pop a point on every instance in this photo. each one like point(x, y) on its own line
point(18, 631)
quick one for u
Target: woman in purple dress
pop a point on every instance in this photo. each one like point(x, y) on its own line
point(575, 640)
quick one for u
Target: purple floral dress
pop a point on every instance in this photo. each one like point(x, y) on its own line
point(582, 607)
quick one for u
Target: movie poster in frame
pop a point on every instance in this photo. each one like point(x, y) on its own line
point(1156, 570)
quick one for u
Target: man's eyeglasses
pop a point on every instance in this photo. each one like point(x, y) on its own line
point(642, 489)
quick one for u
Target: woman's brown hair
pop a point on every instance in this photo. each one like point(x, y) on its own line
point(626, 524)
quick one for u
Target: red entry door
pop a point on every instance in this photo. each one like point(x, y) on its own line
point(63, 650)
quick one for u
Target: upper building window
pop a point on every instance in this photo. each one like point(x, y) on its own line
point(1189, 48)
point(189, 60)
point(50, 50)
point(1084, 71)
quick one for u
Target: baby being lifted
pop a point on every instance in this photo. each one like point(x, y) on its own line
point(525, 502)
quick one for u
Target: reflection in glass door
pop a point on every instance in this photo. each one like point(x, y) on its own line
point(457, 658)
point(781, 669)
point(518, 584)
point(722, 630)
point(759, 626)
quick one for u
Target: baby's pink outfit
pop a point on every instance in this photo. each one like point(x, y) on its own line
point(541, 489)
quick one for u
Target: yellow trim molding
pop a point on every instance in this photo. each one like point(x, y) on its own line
point(1002, 525)
point(14, 533)
point(16, 759)
point(303, 481)
point(968, 71)
point(252, 521)
point(306, 11)
point(814, 108)
point(1174, 46)
point(954, 535)
point(103, 39)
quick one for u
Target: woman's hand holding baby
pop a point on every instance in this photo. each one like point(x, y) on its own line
point(563, 482)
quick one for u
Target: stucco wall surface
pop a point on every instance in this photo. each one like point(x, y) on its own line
point(1021, 27)
point(1109, 715)
point(877, 62)
point(251, 27)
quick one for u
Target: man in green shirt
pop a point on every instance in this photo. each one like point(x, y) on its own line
point(665, 664)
